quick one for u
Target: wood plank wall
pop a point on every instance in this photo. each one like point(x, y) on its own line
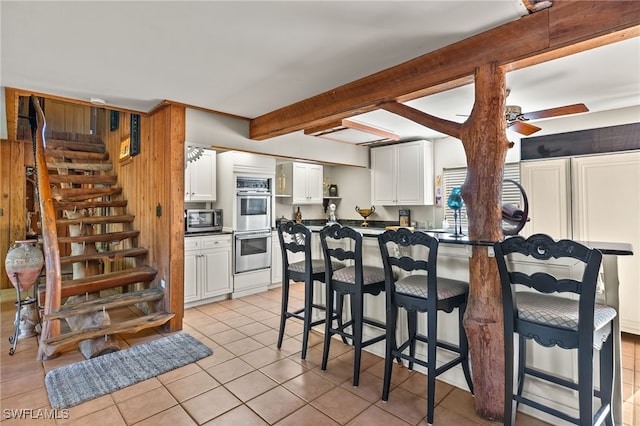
point(15, 156)
point(153, 182)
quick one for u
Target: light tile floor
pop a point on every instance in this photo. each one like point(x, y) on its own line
point(248, 381)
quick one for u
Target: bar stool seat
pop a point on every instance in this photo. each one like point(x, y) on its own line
point(557, 310)
point(295, 238)
point(354, 281)
point(421, 291)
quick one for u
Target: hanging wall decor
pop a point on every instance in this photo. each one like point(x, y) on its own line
point(114, 120)
point(135, 135)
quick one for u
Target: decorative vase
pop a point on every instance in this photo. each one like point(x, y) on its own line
point(23, 264)
point(455, 203)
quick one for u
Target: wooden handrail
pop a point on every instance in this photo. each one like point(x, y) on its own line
point(51, 328)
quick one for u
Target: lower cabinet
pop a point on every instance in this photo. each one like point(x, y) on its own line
point(207, 268)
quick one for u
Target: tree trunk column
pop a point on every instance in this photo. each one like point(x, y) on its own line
point(484, 139)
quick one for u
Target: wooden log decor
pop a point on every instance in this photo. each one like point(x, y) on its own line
point(485, 143)
point(483, 136)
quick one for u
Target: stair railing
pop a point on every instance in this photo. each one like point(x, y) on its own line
point(53, 286)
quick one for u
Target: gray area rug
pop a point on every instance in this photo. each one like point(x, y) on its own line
point(70, 385)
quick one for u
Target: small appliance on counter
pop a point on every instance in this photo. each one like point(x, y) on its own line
point(198, 221)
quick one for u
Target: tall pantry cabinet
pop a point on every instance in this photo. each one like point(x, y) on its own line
point(591, 198)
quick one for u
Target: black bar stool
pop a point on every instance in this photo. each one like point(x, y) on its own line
point(551, 320)
point(295, 238)
point(421, 291)
point(341, 244)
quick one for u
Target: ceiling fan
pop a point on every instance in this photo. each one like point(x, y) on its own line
point(518, 120)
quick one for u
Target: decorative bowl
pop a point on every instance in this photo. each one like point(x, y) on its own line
point(365, 213)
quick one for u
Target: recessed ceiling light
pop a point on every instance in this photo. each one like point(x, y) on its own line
point(98, 101)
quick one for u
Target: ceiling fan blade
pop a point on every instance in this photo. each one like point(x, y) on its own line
point(523, 128)
point(555, 112)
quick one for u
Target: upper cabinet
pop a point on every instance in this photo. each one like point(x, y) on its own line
point(200, 178)
point(303, 181)
point(402, 174)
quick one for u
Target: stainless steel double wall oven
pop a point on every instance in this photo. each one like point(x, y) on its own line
point(252, 235)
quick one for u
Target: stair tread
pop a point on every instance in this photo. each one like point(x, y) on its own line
point(99, 238)
point(90, 204)
point(75, 146)
point(78, 155)
point(104, 255)
point(84, 179)
point(100, 167)
point(124, 218)
point(112, 301)
point(79, 194)
point(95, 283)
point(73, 136)
point(56, 344)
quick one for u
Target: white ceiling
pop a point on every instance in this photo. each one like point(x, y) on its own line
point(250, 58)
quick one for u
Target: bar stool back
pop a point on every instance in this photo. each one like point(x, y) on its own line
point(553, 320)
point(421, 291)
point(295, 238)
point(355, 280)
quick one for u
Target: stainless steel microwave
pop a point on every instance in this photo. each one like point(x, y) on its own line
point(202, 220)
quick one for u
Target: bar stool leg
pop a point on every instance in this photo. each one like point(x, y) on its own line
point(606, 377)
point(392, 317)
point(308, 302)
point(585, 384)
point(412, 320)
point(463, 344)
point(283, 309)
point(357, 312)
point(328, 321)
point(432, 330)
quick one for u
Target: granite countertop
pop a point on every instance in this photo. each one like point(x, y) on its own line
point(448, 237)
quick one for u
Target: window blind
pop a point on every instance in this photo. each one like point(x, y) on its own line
point(454, 177)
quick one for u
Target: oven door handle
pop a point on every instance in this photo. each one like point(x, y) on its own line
point(253, 235)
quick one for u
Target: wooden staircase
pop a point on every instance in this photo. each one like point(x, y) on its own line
point(108, 266)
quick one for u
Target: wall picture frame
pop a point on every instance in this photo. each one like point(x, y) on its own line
point(404, 217)
point(114, 120)
point(125, 149)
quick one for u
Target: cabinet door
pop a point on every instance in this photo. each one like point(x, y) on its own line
point(191, 276)
point(383, 176)
point(217, 278)
point(299, 184)
point(314, 183)
point(216, 265)
point(410, 174)
point(606, 201)
point(547, 184)
point(202, 175)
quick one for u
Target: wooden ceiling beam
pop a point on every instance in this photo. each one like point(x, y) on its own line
point(565, 28)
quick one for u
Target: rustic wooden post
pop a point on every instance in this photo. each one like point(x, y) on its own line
point(485, 145)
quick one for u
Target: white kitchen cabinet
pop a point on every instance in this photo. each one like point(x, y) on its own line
point(207, 267)
point(548, 187)
point(304, 180)
point(200, 178)
point(402, 174)
point(591, 198)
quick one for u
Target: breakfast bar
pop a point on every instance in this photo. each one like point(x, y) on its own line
point(453, 262)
